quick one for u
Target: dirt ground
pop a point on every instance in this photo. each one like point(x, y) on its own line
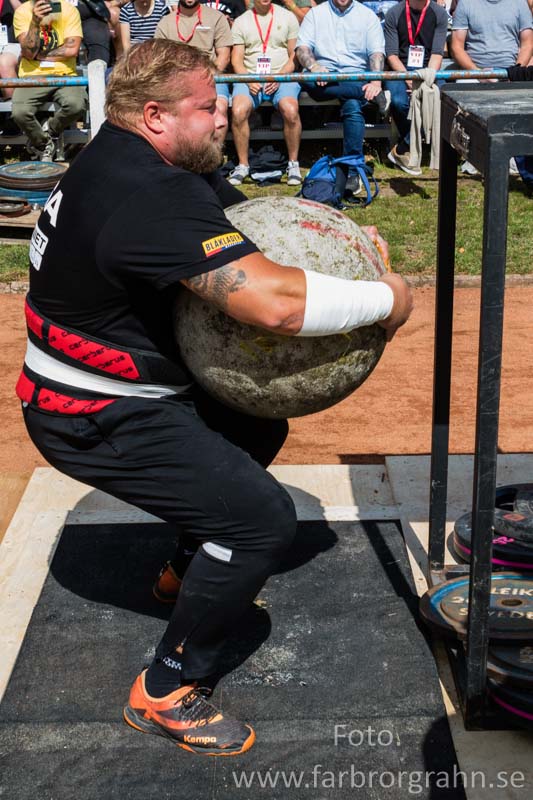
point(390, 414)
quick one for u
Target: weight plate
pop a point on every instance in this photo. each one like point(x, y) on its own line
point(31, 196)
point(31, 174)
point(511, 665)
point(13, 207)
point(506, 551)
point(523, 503)
point(514, 525)
point(445, 607)
point(516, 703)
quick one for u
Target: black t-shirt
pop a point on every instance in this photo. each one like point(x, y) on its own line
point(118, 234)
point(432, 35)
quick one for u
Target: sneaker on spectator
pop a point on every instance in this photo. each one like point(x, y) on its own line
point(294, 177)
point(513, 169)
point(402, 160)
point(353, 184)
point(383, 101)
point(468, 169)
point(54, 144)
point(34, 153)
point(49, 150)
point(239, 174)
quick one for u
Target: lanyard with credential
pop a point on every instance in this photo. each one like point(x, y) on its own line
point(198, 22)
point(412, 39)
point(264, 41)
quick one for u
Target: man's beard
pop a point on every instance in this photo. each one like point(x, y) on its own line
point(200, 158)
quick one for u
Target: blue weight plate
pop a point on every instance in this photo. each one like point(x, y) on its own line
point(511, 665)
point(507, 552)
point(445, 607)
point(514, 702)
point(32, 196)
point(32, 170)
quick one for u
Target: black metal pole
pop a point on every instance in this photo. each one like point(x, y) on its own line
point(488, 404)
point(443, 353)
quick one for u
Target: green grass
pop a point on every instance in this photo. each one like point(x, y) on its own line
point(13, 262)
point(406, 214)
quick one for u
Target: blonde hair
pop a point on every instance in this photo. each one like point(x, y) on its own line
point(157, 70)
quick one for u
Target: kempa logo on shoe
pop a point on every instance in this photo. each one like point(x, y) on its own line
point(200, 739)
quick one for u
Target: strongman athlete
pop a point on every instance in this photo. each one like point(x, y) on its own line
point(106, 397)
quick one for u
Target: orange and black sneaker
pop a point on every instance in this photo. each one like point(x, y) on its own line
point(167, 585)
point(186, 718)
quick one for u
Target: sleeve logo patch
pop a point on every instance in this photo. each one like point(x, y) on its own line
point(219, 243)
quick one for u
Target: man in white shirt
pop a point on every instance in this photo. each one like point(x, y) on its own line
point(263, 42)
point(343, 36)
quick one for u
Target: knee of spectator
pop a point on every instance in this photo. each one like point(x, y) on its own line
point(241, 109)
point(289, 110)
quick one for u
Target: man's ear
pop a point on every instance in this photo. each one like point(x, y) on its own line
point(152, 116)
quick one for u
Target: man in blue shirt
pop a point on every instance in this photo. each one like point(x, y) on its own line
point(343, 36)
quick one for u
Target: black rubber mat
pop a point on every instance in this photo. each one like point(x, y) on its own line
point(330, 666)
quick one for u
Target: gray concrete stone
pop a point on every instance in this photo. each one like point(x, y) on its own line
point(273, 376)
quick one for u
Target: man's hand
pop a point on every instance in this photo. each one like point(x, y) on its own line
point(40, 10)
point(380, 243)
point(255, 88)
point(372, 89)
point(270, 88)
point(402, 306)
point(316, 67)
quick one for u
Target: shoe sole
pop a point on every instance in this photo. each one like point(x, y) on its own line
point(134, 720)
point(294, 182)
point(409, 171)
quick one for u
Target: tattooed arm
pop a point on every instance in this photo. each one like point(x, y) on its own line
point(256, 291)
point(305, 56)
point(30, 42)
point(69, 49)
point(376, 64)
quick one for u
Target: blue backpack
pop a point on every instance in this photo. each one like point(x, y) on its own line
point(326, 180)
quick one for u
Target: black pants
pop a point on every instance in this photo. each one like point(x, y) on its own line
point(96, 35)
point(195, 463)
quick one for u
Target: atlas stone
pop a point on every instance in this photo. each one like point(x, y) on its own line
point(264, 374)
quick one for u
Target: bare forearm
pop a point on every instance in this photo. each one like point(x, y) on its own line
point(377, 62)
point(298, 12)
point(30, 42)
point(395, 64)
point(69, 49)
point(460, 55)
point(223, 55)
point(524, 54)
point(435, 62)
point(255, 291)
point(289, 67)
point(305, 56)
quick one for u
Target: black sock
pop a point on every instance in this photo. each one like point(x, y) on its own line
point(163, 675)
point(402, 148)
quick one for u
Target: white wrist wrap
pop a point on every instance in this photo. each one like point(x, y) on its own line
point(335, 305)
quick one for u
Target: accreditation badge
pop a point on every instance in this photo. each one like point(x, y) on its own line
point(264, 65)
point(415, 57)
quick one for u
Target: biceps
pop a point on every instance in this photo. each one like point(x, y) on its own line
point(217, 285)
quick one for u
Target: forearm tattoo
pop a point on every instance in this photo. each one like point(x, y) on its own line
point(32, 41)
point(217, 285)
point(305, 56)
point(62, 50)
point(377, 62)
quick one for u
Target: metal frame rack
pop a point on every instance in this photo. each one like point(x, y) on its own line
point(486, 124)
